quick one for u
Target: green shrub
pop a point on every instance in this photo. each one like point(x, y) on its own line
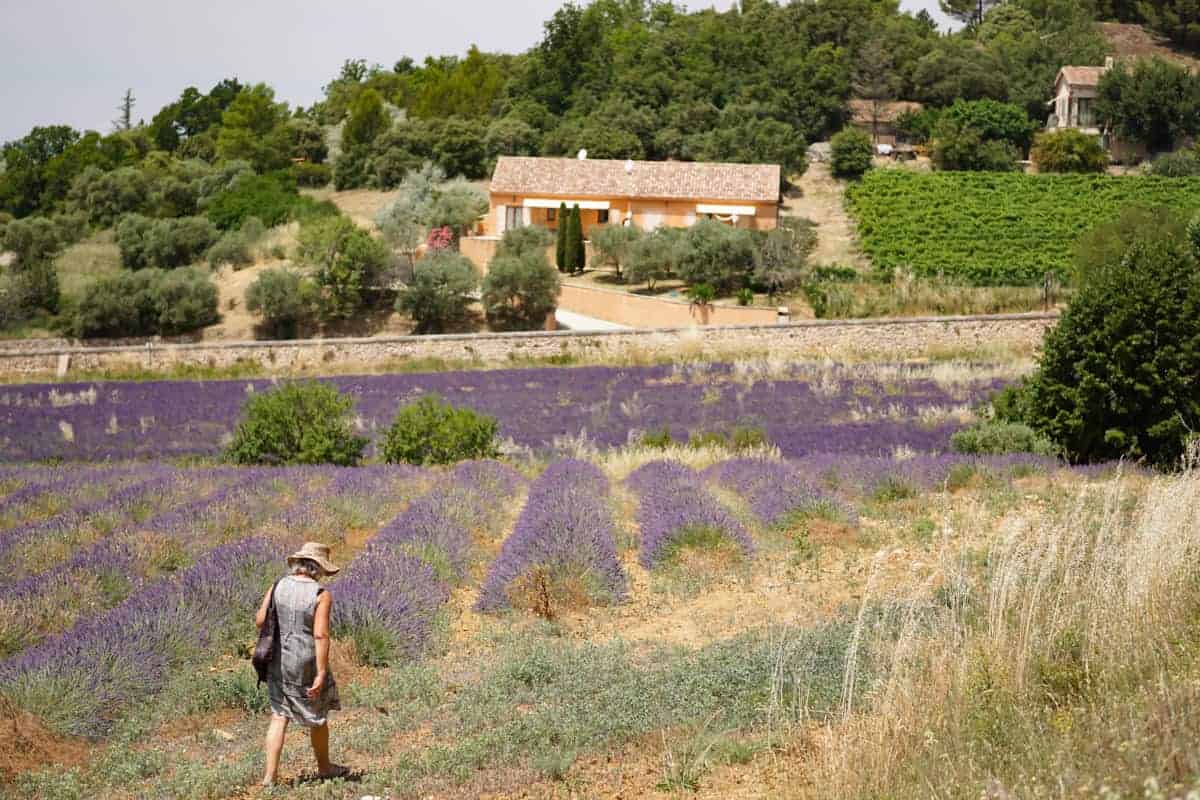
point(1068, 150)
point(163, 243)
point(271, 198)
point(439, 295)
point(145, 303)
point(1179, 164)
point(1117, 376)
point(297, 423)
point(996, 438)
point(312, 176)
point(745, 297)
point(520, 292)
point(851, 152)
point(284, 299)
point(518, 242)
point(431, 431)
point(237, 248)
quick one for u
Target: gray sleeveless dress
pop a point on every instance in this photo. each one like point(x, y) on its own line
point(294, 666)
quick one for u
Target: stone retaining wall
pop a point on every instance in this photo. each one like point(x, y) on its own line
point(890, 339)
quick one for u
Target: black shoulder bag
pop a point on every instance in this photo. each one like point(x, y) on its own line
point(268, 640)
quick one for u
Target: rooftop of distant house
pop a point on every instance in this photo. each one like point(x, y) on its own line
point(608, 178)
point(1083, 76)
point(868, 111)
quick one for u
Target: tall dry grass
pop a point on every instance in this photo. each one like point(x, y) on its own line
point(1066, 665)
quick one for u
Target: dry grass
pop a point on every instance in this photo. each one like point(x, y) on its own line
point(1070, 671)
point(88, 261)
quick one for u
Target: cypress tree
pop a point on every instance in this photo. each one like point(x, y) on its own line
point(579, 256)
point(560, 242)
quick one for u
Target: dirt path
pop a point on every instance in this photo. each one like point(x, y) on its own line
point(822, 199)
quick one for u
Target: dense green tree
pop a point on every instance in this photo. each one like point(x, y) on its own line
point(254, 129)
point(348, 263)
point(466, 87)
point(511, 136)
point(851, 153)
point(1119, 376)
point(519, 292)
point(1155, 102)
point(717, 255)
point(368, 119)
point(969, 12)
point(25, 162)
point(439, 294)
point(146, 302)
point(163, 243)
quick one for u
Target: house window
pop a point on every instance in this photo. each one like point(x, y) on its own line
point(551, 215)
point(603, 216)
point(514, 217)
point(1087, 118)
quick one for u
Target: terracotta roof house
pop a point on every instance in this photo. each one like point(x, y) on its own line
point(878, 118)
point(649, 194)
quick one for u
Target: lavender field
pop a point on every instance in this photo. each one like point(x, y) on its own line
point(802, 410)
point(506, 624)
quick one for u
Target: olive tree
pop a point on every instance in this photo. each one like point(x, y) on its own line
point(438, 297)
point(519, 292)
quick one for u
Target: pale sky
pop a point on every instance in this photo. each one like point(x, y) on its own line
point(70, 61)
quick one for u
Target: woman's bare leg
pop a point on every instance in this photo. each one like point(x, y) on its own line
point(320, 746)
point(274, 746)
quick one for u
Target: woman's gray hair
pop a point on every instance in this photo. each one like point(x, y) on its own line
point(306, 566)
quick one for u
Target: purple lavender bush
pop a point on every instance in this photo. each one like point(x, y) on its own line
point(564, 533)
point(774, 491)
point(85, 679)
point(392, 591)
point(673, 506)
point(848, 412)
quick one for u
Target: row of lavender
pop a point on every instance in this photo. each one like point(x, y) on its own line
point(840, 412)
point(393, 590)
point(108, 627)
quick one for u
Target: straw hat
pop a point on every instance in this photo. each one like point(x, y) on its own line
point(314, 551)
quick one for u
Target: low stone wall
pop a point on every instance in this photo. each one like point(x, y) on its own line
point(891, 339)
point(639, 311)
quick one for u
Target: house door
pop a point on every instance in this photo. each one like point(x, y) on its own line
point(514, 217)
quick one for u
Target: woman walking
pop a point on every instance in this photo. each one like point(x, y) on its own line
point(301, 687)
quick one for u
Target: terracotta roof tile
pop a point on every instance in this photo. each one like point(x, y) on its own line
point(668, 180)
point(1083, 76)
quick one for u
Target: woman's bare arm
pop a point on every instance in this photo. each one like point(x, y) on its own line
point(260, 618)
point(321, 637)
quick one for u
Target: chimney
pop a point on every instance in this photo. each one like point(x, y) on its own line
point(582, 155)
point(629, 166)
